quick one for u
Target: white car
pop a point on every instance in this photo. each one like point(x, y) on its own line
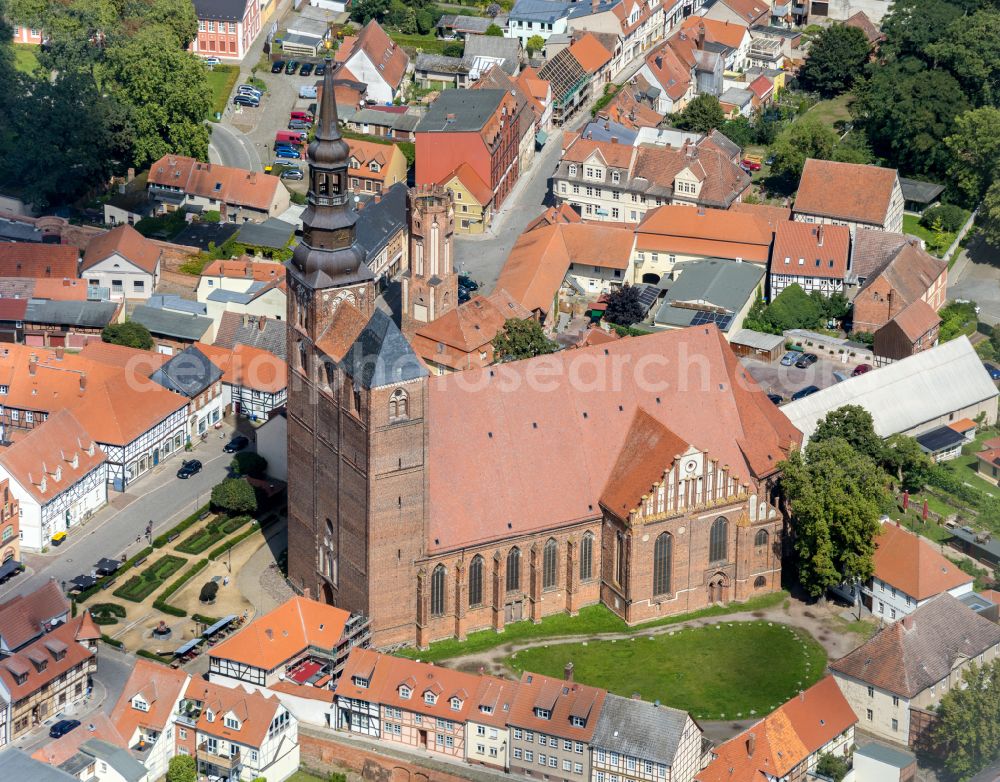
point(211, 62)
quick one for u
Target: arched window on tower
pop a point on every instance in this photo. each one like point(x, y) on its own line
point(476, 581)
point(437, 591)
point(717, 545)
point(303, 357)
point(662, 563)
point(322, 184)
point(399, 405)
point(550, 558)
point(760, 539)
point(620, 559)
point(587, 557)
point(514, 569)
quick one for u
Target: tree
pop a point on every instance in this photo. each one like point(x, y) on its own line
point(966, 732)
point(739, 130)
point(495, 30)
point(854, 425)
point(181, 769)
point(944, 217)
point(975, 151)
point(248, 463)
point(913, 25)
point(234, 495)
point(832, 766)
point(903, 457)
point(535, 44)
point(178, 15)
point(701, 115)
point(522, 339)
point(130, 334)
point(971, 51)
point(989, 215)
point(624, 307)
point(836, 496)
point(453, 49)
point(854, 148)
point(209, 590)
point(807, 138)
point(837, 58)
point(793, 308)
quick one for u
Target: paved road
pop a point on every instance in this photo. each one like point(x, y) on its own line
point(230, 147)
point(160, 496)
point(976, 276)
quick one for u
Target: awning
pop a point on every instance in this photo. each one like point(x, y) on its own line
point(188, 646)
point(9, 568)
point(541, 137)
point(83, 582)
point(106, 567)
point(218, 626)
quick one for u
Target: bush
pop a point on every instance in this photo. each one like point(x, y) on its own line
point(248, 463)
point(128, 565)
point(864, 337)
point(234, 495)
point(130, 334)
point(106, 613)
point(160, 604)
point(944, 217)
point(208, 592)
point(161, 540)
point(212, 534)
point(139, 587)
point(112, 641)
point(220, 550)
point(832, 766)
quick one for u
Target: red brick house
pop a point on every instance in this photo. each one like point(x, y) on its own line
point(912, 274)
point(226, 28)
point(913, 330)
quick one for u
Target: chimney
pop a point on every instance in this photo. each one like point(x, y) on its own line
point(261, 321)
point(819, 235)
point(701, 36)
point(568, 672)
point(83, 381)
point(908, 621)
point(751, 743)
point(614, 139)
point(59, 354)
point(253, 177)
point(659, 61)
point(32, 364)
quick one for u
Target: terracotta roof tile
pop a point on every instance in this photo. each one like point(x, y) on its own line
point(845, 191)
point(142, 362)
point(13, 309)
point(728, 34)
point(672, 73)
point(245, 268)
point(711, 232)
point(126, 242)
point(563, 700)
point(917, 319)
point(65, 289)
point(364, 152)
point(772, 215)
point(811, 250)
point(472, 182)
point(26, 617)
point(748, 10)
point(247, 366)
point(867, 26)
point(383, 52)
point(31, 259)
point(254, 710)
point(21, 662)
point(910, 564)
point(210, 180)
point(563, 213)
point(873, 250)
point(589, 52)
point(345, 326)
point(911, 273)
point(160, 687)
point(962, 425)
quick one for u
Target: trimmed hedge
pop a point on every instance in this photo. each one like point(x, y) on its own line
point(162, 540)
point(139, 587)
point(212, 534)
point(217, 552)
point(205, 620)
point(160, 658)
point(112, 641)
point(128, 565)
point(160, 604)
point(107, 613)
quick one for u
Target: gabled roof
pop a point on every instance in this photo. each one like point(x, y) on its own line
point(710, 285)
point(749, 11)
point(175, 325)
point(910, 273)
point(83, 314)
point(728, 34)
point(26, 617)
point(845, 191)
point(279, 635)
point(38, 660)
point(639, 729)
point(384, 53)
point(247, 366)
point(188, 373)
point(126, 242)
point(381, 355)
point(366, 152)
point(34, 259)
point(922, 649)
point(246, 268)
point(589, 52)
point(254, 710)
point(98, 726)
point(708, 232)
point(811, 250)
point(472, 182)
point(872, 250)
point(210, 180)
point(867, 26)
point(160, 686)
point(916, 320)
point(257, 331)
point(910, 564)
point(671, 73)
point(380, 221)
point(563, 700)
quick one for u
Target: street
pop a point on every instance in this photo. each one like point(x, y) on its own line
point(230, 147)
point(159, 496)
point(976, 277)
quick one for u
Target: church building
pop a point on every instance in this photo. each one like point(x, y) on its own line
point(636, 473)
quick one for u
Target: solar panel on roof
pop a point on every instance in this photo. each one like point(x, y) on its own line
point(647, 296)
point(722, 320)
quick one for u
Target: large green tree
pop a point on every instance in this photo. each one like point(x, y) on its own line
point(975, 152)
point(971, 51)
point(853, 424)
point(178, 15)
point(903, 457)
point(836, 495)
point(702, 114)
point(837, 58)
point(521, 339)
point(988, 220)
point(807, 138)
point(182, 769)
point(131, 334)
point(967, 729)
point(234, 495)
point(913, 25)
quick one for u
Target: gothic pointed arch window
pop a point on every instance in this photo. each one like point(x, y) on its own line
point(717, 541)
point(760, 539)
point(663, 553)
point(331, 373)
point(514, 569)
point(476, 581)
point(303, 356)
point(620, 558)
point(399, 405)
point(437, 591)
point(550, 557)
point(587, 556)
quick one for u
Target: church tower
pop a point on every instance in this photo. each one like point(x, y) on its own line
point(430, 285)
point(356, 423)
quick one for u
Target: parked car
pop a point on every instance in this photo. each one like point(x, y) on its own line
point(288, 153)
point(238, 443)
point(306, 70)
point(63, 727)
point(751, 165)
point(992, 369)
point(248, 89)
point(211, 62)
point(16, 569)
point(806, 360)
point(860, 369)
point(246, 100)
point(292, 67)
point(776, 398)
point(789, 359)
point(278, 66)
point(307, 91)
point(804, 392)
point(189, 468)
point(463, 295)
point(281, 165)
point(465, 281)
point(299, 124)
point(305, 116)
point(320, 69)
point(292, 173)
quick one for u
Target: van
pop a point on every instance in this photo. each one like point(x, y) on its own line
point(290, 137)
point(307, 91)
point(301, 115)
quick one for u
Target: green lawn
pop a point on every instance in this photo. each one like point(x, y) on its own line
point(722, 671)
point(25, 57)
point(937, 242)
point(425, 43)
point(966, 464)
point(304, 776)
point(832, 111)
point(221, 79)
point(212, 534)
point(139, 587)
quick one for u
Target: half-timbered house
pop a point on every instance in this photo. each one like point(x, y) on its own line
point(254, 381)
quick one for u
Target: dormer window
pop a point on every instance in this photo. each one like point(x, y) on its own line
point(572, 169)
point(209, 715)
point(485, 709)
point(20, 678)
point(430, 698)
point(456, 704)
point(616, 177)
point(231, 722)
point(360, 681)
point(405, 692)
point(139, 704)
point(374, 166)
point(578, 722)
point(543, 714)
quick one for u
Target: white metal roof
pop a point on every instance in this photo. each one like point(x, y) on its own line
point(905, 394)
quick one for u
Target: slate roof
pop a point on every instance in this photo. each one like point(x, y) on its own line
point(200, 235)
point(472, 109)
point(915, 190)
point(714, 283)
point(605, 130)
point(272, 233)
point(439, 63)
point(369, 116)
point(171, 324)
point(921, 649)
point(381, 355)
point(229, 10)
point(940, 439)
point(189, 373)
point(130, 769)
point(381, 220)
point(86, 314)
point(233, 331)
point(17, 764)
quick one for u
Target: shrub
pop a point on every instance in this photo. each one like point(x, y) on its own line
point(112, 641)
point(944, 217)
point(139, 587)
point(107, 613)
point(128, 565)
point(220, 550)
point(208, 592)
point(248, 463)
point(161, 602)
point(161, 540)
point(182, 768)
point(212, 534)
point(130, 334)
point(234, 495)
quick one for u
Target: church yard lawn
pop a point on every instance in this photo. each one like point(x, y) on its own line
point(221, 80)
point(592, 620)
point(211, 534)
point(729, 670)
point(139, 587)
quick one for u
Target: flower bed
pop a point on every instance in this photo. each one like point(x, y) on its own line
point(139, 587)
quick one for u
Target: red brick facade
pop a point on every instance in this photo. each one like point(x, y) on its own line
point(430, 285)
point(327, 754)
point(227, 38)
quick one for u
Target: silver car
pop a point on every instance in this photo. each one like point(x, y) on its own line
point(789, 359)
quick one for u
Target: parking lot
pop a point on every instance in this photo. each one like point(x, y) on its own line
point(785, 381)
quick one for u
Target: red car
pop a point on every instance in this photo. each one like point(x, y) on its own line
point(860, 369)
point(751, 165)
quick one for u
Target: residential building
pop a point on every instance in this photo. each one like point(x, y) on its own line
point(18, 764)
point(418, 568)
point(937, 386)
point(99, 727)
point(867, 26)
point(383, 233)
point(684, 66)
point(243, 285)
point(539, 93)
point(459, 26)
point(473, 199)
point(605, 180)
point(570, 84)
point(478, 127)
point(787, 744)
point(942, 444)
point(711, 291)
point(551, 724)
point(52, 672)
point(175, 329)
point(226, 28)
point(851, 194)
point(375, 167)
point(671, 235)
point(59, 323)
point(988, 460)
point(737, 102)
point(745, 12)
point(39, 260)
point(24, 619)
point(496, 77)
point(912, 330)
point(10, 533)
point(238, 195)
point(911, 275)
point(25, 34)
point(378, 121)
point(537, 17)
point(814, 257)
point(487, 736)
point(378, 61)
point(266, 333)
point(636, 741)
point(909, 572)
point(462, 338)
point(730, 39)
point(123, 261)
point(57, 477)
point(484, 52)
point(254, 382)
point(896, 678)
point(192, 375)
